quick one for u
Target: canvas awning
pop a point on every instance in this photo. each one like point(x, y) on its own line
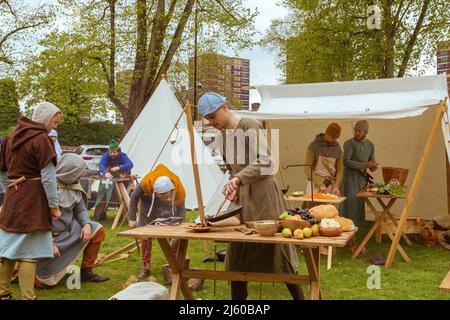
point(365, 99)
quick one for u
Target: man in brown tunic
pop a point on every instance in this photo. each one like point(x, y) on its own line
point(27, 173)
point(252, 184)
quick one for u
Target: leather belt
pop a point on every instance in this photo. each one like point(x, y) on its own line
point(15, 182)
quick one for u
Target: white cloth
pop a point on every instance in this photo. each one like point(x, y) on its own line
point(143, 291)
point(326, 167)
point(44, 112)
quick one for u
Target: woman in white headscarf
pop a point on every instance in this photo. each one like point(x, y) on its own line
point(74, 233)
point(161, 195)
point(27, 173)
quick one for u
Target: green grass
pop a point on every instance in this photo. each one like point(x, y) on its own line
point(347, 279)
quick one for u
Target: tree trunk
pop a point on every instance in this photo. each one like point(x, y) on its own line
point(389, 31)
point(412, 40)
point(147, 76)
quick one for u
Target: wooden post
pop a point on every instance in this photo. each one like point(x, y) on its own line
point(419, 173)
point(198, 188)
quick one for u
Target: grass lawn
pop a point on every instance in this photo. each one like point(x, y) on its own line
point(346, 280)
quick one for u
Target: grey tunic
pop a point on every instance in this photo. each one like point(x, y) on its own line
point(262, 199)
point(356, 155)
point(160, 208)
point(66, 231)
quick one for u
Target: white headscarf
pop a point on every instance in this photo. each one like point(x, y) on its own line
point(44, 112)
point(162, 185)
point(58, 149)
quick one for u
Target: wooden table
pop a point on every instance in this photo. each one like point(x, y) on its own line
point(310, 249)
point(381, 217)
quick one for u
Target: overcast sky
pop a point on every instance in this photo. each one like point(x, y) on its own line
point(263, 68)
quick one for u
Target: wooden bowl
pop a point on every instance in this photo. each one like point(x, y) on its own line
point(295, 224)
point(266, 228)
point(330, 232)
point(250, 224)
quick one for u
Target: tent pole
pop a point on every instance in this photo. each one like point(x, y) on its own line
point(419, 173)
point(198, 188)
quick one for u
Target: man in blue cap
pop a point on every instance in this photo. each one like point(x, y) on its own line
point(252, 184)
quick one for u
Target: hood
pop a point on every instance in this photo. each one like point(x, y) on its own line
point(323, 148)
point(25, 131)
point(70, 168)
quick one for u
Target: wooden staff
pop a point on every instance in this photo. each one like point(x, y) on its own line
point(198, 188)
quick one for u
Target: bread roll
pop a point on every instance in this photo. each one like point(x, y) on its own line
point(347, 224)
point(324, 211)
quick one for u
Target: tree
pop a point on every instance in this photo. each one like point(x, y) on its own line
point(328, 40)
point(64, 74)
point(154, 34)
point(17, 20)
point(9, 106)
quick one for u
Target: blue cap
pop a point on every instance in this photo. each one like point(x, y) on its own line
point(210, 102)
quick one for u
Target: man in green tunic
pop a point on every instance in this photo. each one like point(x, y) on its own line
point(359, 155)
point(252, 185)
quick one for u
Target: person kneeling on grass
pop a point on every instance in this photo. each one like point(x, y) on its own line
point(74, 232)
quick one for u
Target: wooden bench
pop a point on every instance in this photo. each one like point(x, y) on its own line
point(445, 284)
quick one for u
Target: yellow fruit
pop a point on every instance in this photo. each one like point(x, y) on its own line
point(307, 232)
point(298, 234)
point(287, 233)
point(315, 230)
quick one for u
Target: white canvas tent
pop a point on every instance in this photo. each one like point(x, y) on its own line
point(400, 112)
point(404, 116)
point(145, 140)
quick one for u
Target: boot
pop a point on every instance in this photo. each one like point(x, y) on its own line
point(6, 297)
point(167, 274)
point(144, 273)
point(146, 248)
point(87, 275)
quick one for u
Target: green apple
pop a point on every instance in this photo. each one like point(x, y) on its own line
point(307, 232)
point(287, 233)
point(284, 215)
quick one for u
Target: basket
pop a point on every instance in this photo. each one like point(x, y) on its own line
point(295, 224)
point(390, 173)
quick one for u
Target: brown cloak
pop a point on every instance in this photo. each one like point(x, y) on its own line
point(25, 152)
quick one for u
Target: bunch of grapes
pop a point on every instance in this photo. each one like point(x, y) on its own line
point(304, 214)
